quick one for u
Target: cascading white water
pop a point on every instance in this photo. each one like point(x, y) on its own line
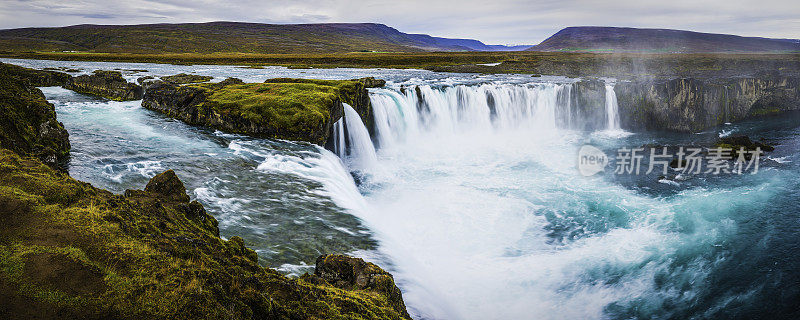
point(360, 150)
point(612, 108)
point(339, 146)
point(453, 110)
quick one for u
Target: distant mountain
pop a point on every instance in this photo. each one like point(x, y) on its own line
point(232, 37)
point(658, 40)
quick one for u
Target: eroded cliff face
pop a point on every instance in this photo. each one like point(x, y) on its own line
point(291, 109)
point(686, 104)
point(28, 122)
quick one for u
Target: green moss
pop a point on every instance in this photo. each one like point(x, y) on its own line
point(184, 78)
point(293, 111)
point(68, 249)
point(766, 111)
point(27, 121)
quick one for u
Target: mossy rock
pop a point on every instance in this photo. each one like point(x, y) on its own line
point(106, 84)
point(69, 250)
point(35, 78)
point(291, 109)
point(738, 143)
point(183, 78)
point(27, 121)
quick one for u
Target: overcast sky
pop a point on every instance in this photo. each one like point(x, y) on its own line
point(491, 21)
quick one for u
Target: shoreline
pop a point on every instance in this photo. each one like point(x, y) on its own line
point(621, 65)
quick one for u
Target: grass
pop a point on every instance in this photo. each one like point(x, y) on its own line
point(291, 109)
point(526, 62)
point(285, 106)
point(69, 250)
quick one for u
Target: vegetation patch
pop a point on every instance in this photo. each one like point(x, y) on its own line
point(27, 121)
point(291, 109)
point(183, 78)
point(68, 249)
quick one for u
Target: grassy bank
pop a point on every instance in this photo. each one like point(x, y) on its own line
point(545, 63)
point(69, 250)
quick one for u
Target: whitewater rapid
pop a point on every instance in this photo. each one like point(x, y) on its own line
point(466, 191)
point(484, 216)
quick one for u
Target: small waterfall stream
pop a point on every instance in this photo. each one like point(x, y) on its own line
point(360, 150)
point(612, 108)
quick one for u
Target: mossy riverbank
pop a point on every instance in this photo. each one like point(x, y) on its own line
point(70, 250)
point(28, 122)
point(291, 109)
point(619, 65)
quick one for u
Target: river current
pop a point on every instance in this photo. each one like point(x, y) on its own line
point(468, 192)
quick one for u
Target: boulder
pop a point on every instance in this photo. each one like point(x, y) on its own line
point(356, 274)
point(107, 84)
point(168, 185)
point(142, 255)
point(371, 82)
point(183, 78)
point(739, 142)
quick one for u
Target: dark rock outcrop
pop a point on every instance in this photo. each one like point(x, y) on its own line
point(107, 84)
point(740, 143)
point(353, 92)
point(292, 109)
point(28, 123)
point(36, 78)
point(183, 78)
point(686, 104)
point(168, 185)
point(356, 274)
point(70, 250)
point(176, 101)
point(587, 106)
point(371, 82)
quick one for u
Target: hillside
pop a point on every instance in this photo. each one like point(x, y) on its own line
point(658, 40)
point(215, 37)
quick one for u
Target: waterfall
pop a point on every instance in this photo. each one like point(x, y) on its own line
point(339, 146)
point(457, 109)
point(358, 147)
point(612, 108)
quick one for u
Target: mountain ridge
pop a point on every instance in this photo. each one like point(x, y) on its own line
point(624, 39)
point(226, 36)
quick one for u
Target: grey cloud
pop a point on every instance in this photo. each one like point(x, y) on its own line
point(498, 21)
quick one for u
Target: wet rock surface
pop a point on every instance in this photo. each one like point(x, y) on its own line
point(107, 84)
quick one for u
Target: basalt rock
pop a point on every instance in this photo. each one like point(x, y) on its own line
point(740, 143)
point(356, 274)
point(292, 109)
point(371, 82)
point(183, 78)
point(28, 122)
point(35, 78)
point(107, 84)
point(69, 250)
point(168, 185)
point(686, 104)
point(353, 92)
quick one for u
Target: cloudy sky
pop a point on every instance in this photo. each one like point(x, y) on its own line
point(494, 22)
